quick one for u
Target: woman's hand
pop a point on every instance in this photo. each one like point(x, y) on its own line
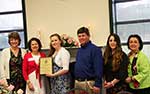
point(3, 82)
point(10, 87)
point(20, 91)
point(108, 84)
point(105, 83)
point(128, 79)
point(30, 86)
point(50, 75)
point(58, 73)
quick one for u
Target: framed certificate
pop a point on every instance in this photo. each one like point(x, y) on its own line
point(45, 65)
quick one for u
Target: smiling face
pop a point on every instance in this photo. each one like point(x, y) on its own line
point(83, 38)
point(55, 42)
point(134, 44)
point(14, 42)
point(34, 46)
point(112, 42)
point(14, 39)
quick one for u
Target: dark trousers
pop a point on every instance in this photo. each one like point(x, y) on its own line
point(141, 91)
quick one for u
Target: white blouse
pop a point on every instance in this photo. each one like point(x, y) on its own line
point(62, 58)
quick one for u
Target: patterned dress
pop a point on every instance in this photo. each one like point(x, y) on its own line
point(15, 67)
point(59, 84)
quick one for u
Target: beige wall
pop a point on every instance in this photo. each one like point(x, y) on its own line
point(45, 17)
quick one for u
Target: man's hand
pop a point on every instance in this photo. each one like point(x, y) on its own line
point(96, 90)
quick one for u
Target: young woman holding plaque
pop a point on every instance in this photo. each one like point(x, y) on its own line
point(31, 68)
point(60, 78)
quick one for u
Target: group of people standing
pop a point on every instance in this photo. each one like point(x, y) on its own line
point(121, 72)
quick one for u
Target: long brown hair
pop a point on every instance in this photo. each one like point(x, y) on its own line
point(117, 55)
point(52, 49)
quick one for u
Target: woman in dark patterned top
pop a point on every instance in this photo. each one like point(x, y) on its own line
point(115, 66)
point(11, 63)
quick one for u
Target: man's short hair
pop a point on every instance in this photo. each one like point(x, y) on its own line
point(83, 30)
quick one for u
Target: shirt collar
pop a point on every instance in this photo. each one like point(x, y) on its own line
point(86, 44)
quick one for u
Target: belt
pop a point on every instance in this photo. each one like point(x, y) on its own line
point(85, 79)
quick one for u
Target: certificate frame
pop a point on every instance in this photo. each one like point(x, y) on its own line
point(45, 65)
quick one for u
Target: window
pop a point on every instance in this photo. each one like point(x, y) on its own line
point(132, 17)
point(12, 18)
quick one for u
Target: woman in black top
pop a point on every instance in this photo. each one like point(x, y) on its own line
point(115, 66)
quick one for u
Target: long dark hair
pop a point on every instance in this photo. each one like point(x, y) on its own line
point(117, 56)
point(52, 49)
